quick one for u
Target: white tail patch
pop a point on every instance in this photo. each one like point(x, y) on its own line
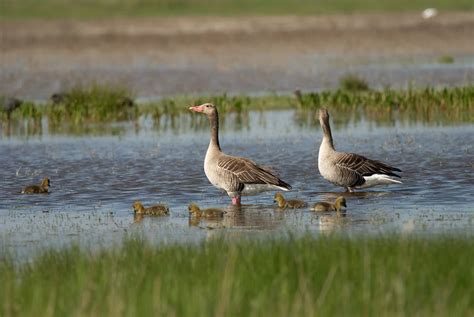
point(252, 189)
point(378, 179)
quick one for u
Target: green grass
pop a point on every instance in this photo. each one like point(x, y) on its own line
point(353, 82)
point(446, 59)
point(327, 276)
point(64, 9)
point(89, 109)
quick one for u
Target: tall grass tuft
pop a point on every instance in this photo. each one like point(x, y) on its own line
point(446, 59)
point(94, 103)
point(353, 82)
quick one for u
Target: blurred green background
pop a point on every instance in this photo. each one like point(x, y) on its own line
point(57, 9)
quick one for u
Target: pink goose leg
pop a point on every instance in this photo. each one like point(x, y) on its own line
point(236, 200)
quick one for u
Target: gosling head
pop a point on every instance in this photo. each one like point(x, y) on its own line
point(45, 182)
point(279, 199)
point(138, 207)
point(207, 108)
point(340, 202)
point(194, 209)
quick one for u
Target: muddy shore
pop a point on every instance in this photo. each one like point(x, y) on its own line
point(166, 56)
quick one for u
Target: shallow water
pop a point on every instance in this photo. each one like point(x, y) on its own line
point(96, 179)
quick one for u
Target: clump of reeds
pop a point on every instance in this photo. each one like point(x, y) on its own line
point(446, 59)
point(353, 82)
point(95, 103)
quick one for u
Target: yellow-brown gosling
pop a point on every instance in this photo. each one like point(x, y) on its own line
point(291, 203)
point(205, 213)
point(42, 188)
point(324, 206)
point(158, 210)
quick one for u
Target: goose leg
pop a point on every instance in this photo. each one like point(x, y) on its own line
point(236, 200)
point(349, 190)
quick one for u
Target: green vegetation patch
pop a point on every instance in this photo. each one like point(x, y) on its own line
point(327, 276)
point(64, 9)
point(353, 83)
point(82, 110)
point(446, 59)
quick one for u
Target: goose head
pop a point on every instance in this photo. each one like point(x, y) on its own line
point(340, 202)
point(138, 207)
point(194, 209)
point(278, 198)
point(45, 182)
point(207, 108)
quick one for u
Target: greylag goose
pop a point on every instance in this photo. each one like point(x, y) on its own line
point(324, 206)
point(205, 213)
point(235, 175)
point(42, 188)
point(158, 210)
point(291, 203)
point(350, 170)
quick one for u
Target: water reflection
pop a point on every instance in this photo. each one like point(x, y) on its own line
point(161, 120)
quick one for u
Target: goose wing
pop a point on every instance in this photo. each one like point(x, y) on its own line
point(248, 172)
point(364, 166)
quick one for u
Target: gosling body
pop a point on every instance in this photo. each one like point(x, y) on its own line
point(42, 188)
point(157, 210)
point(325, 206)
point(205, 213)
point(289, 204)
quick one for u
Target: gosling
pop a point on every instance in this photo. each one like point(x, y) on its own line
point(291, 204)
point(324, 206)
point(157, 210)
point(42, 188)
point(205, 213)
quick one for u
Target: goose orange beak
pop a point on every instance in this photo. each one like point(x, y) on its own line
point(197, 108)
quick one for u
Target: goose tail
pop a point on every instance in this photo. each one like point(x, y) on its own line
point(379, 179)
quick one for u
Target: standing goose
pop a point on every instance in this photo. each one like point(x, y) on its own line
point(350, 170)
point(235, 175)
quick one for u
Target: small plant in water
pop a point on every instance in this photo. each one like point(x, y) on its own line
point(353, 83)
point(93, 103)
point(446, 59)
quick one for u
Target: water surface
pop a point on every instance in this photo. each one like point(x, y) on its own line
point(95, 178)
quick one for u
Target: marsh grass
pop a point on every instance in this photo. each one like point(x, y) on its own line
point(353, 82)
point(63, 9)
point(88, 109)
point(327, 276)
point(429, 105)
point(446, 59)
point(94, 103)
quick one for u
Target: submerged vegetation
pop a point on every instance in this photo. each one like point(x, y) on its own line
point(104, 8)
point(327, 276)
point(82, 110)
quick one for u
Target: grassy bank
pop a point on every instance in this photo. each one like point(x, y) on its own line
point(329, 276)
point(61, 9)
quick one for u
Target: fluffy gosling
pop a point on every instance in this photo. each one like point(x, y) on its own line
point(324, 206)
point(291, 203)
point(158, 210)
point(195, 211)
point(42, 188)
